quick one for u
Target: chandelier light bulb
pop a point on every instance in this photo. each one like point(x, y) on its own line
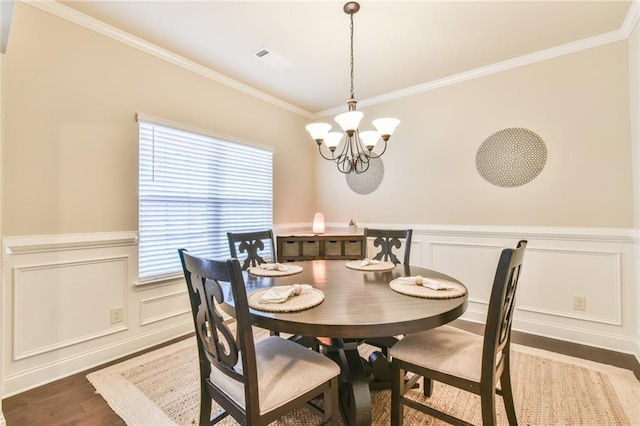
point(369, 138)
point(386, 126)
point(332, 140)
point(349, 121)
point(318, 131)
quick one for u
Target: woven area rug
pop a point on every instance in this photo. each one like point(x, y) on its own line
point(161, 388)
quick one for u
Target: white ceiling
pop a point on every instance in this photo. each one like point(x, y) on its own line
point(398, 44)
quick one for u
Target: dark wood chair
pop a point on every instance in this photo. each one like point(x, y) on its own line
point(387, 239)
point(252, 243)
point(254, 382)
point(452, 356)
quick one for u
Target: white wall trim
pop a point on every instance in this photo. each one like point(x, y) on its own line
point(64, 367)
point(631, 20)
point(617, 235)
point(543, 55)
point(17, 302)
point(151, 300)
point(576, 335)
point(616, 319)
point(48, 243)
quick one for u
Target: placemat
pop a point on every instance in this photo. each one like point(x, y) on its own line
point(382, 266)
point(292, 304)
point(410, 289)
point(260, 272)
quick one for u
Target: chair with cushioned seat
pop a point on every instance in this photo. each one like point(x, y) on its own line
point(462, 359)
point(387, 239)
point(254, 382)
point(252, 243)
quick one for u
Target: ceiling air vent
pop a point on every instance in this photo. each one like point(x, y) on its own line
point(271, 58)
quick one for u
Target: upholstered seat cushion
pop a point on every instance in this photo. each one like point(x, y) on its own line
point(285, 371)
point(446, 349)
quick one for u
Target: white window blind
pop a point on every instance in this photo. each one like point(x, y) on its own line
point(193, 190)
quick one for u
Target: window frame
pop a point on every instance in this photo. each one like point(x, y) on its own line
point(202, 135)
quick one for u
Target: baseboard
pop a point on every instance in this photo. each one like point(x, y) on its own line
point(577, 350)
point(50, 372)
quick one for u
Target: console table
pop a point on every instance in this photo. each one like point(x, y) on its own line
point(326, 246)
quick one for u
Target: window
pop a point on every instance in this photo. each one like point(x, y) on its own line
point(194, 188)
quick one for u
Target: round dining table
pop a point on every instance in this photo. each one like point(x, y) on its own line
point(358, 306)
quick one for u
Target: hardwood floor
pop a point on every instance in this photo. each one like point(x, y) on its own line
point(69, 401)
point(73, 401)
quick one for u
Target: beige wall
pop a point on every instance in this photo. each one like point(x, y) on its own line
point(71, 135)
point(578, 104)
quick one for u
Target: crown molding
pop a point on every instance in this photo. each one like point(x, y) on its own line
point(631, 20)
point(65, 12)
point(543, 55)
point(71, 15)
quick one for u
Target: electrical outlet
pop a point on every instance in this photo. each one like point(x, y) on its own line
point(579, 303)
point(116, 315)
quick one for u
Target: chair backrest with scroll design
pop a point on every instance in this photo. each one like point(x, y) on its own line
point(254, 382)
point(387, 239)
point(218, 346)
point(252, 243)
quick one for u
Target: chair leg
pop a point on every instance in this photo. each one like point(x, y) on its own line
point(488, 404)
point(205, 409)
point(331, 404)
point(507, 395)
point(427, 387)
point(397, 391)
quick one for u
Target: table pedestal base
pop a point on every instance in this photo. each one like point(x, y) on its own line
point(355, 396)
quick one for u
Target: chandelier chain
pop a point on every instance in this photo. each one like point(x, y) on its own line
point(351, 57)
point(352, 150)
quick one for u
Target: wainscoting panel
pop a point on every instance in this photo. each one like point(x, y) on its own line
point(553, 278)
point(59, 292)
point(596, 265)
point(164, 307)
point(70, 303)
point(62, 304)
point(472, 264)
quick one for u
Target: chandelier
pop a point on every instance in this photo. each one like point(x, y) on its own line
point(357, 148)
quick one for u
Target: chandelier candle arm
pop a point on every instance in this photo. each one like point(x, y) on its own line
point(358, 145)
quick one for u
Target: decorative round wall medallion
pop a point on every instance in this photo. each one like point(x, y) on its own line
point(369, 181)
point(511, 157)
